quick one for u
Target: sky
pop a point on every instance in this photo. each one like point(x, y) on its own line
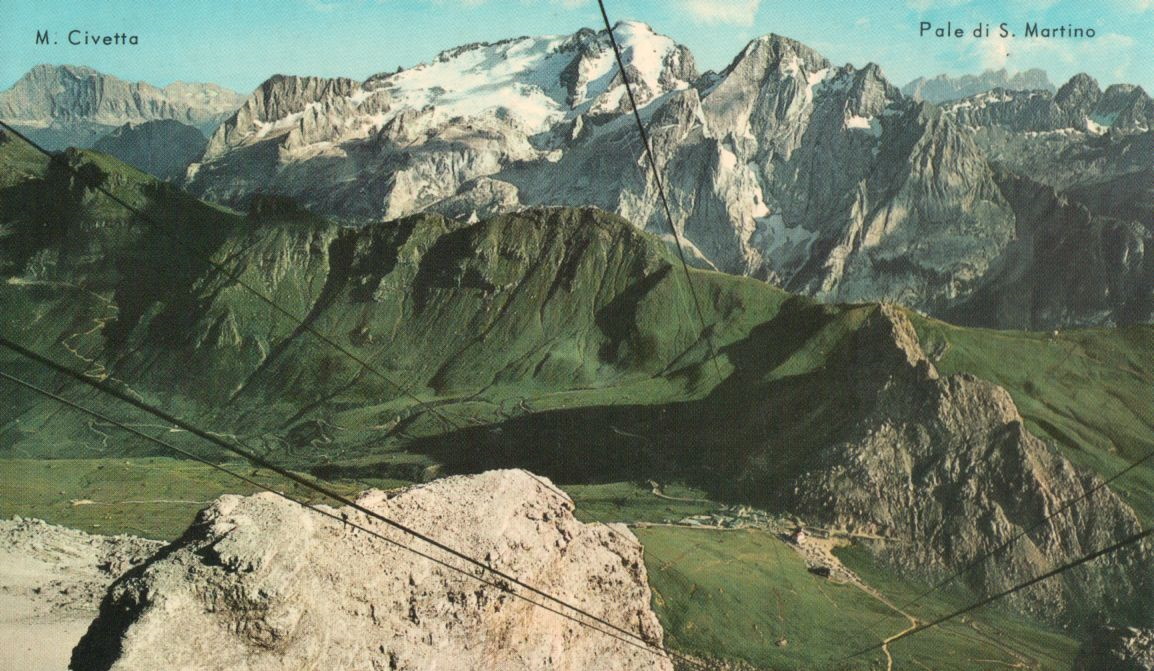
point(239, 44)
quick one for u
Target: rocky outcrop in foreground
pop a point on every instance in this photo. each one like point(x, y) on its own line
point(51, 582)
point(260, 583)
point(61, 571)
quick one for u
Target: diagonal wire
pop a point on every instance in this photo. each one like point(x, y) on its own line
point(304, 482)
point(648, 646)
point(990, 554)
point(1129, 540)
point(706, 333)
point(236, 278)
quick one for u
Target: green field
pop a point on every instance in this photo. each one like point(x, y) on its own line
point(733, 594)
point(151, 497)
point(1091, 392)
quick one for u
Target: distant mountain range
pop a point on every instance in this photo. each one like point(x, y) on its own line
point(1012, 206)
point(945, 88)
point(67, 105)
point(565, 340)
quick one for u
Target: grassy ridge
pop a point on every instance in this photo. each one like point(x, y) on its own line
point(1090, 392)
point(746, 595)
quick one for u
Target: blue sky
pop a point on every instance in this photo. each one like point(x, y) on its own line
point(239, 44)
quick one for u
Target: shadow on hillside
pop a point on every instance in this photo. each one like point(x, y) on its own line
point(746, 434)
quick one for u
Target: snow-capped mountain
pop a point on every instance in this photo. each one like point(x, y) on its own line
point(945, 88)
point(66, 105)
point(403, 141)
point(825, 179)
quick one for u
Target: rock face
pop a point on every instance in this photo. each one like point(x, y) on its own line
point(1118, 649)
point(161, 148)
point(260, 583)
point(63, 570)
point(824, 179)
point(945, 466)
point(401, 142)
point(1077, 168)
point(944, 88)
point(66, 105)
point(51, 582)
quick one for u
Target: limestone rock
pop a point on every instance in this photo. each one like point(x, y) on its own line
point(944, 466)
point(260, 583)
point(69, 105)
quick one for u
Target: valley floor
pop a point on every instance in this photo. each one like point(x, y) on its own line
point(739, 593)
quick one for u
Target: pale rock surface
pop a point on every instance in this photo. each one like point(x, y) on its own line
point(261, 583)
point(51, 581)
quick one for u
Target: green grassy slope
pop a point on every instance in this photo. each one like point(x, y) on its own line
point(560, 340)
point(1091, 392)
point(749, 595)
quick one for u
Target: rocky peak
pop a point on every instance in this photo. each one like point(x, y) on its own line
point(1124, 107)
point(944, 88)
point(887, 341)
point(1080, 93)
point(944, 466)
point(282, 95)
point(870, 93)
point(68, 95)
point(785, 54)
point(265, 581)
point(278, 107)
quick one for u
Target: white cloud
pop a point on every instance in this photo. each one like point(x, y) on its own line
point(1014, 54)
point(734, 12)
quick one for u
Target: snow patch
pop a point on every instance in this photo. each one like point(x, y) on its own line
point(868, 124)
point(1094, 127)
point(786, 246)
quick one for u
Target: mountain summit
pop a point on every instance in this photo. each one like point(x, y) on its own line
point(945, 88)
point(68, 105)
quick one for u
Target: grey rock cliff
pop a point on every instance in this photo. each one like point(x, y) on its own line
point(70, 105)
point(945, 466)
point(260, 583)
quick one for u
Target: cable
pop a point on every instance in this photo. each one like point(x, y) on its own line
point(310, 329)
point(705, 332)
point(648, 646)
point(981, 559)
point(1005, 544)
point(1129, 540)
point(303, 324)
point(298, 479)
